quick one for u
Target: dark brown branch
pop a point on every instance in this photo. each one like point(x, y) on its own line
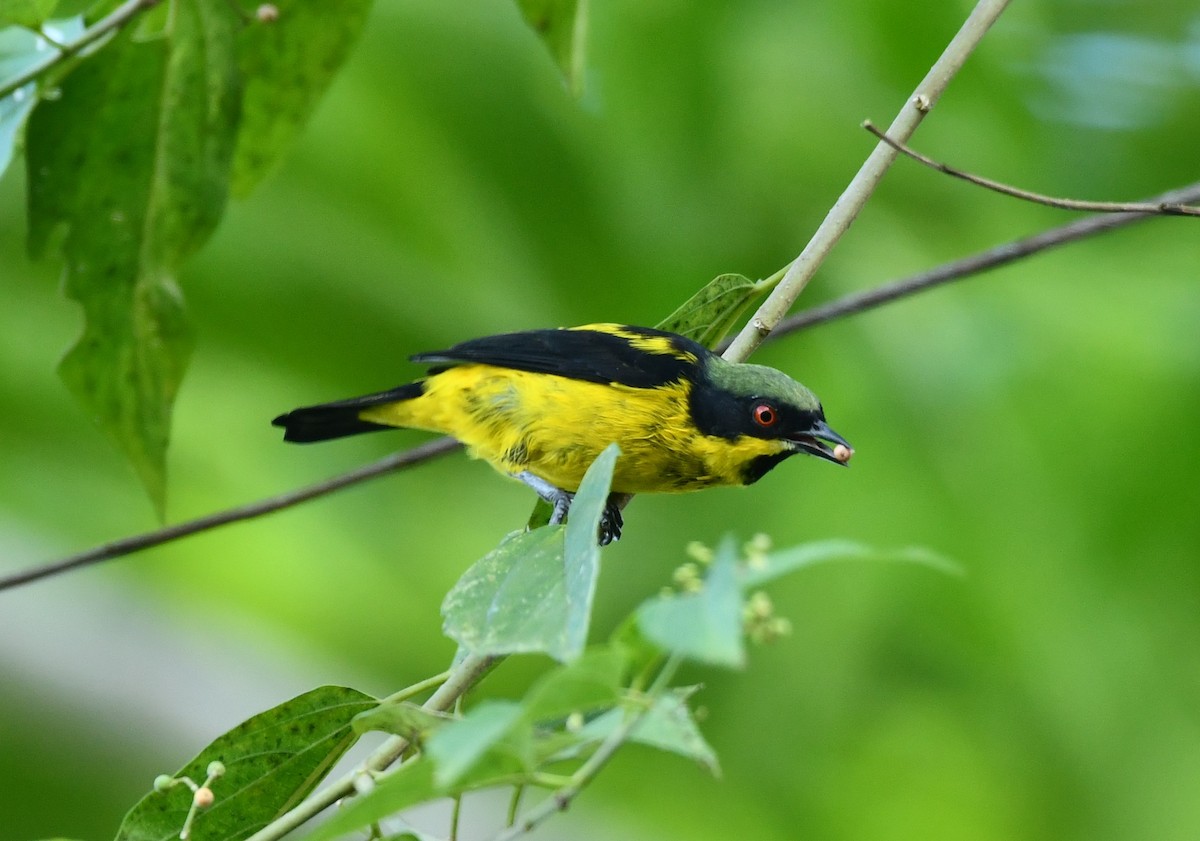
point(129, 545)
point(1162, 208)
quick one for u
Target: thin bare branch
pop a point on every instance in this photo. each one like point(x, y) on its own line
point(1161, 208)
point(860, 189)
point(978, 263)
point(138, 542)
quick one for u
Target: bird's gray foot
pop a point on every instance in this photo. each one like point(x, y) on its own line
point(611, 520)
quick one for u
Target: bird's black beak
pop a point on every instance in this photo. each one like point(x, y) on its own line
point(813, 441)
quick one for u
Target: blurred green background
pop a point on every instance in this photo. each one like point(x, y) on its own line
point(1039, 424)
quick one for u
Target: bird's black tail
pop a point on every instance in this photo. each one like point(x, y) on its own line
point(339, 419)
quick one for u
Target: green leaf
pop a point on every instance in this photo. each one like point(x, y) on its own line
point(406, 719)
point(709, 314)
point(763, 569)
point(562, 26)
point(410, 784)
point(511, 600)
point(272, 761)
point(704, 626)
point(31, 13)
point(133, 160)
point(589, 683)
point(493, 729)
point(533, 592)
point(668, 725)
point(287, 64)
point(582, 560)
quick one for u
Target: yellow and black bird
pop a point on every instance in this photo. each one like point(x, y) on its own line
point(541, 405)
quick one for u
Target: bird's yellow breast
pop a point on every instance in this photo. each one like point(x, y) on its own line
point(555, 427)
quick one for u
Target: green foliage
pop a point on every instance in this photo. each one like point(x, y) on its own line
point(401, 719)
point(286, 64)
point(25, 13)
point(533, 593)
point(524, 597)
point(713, 311)
point(132, 160)
point(668, 725)
point(705, 626)
point(562, 26)
point(271, 761)
point(763, 567)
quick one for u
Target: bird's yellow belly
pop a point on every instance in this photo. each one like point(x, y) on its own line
point(554, 427)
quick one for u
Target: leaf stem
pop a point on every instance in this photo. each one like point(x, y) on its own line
point(120, 16)
point(862, 186)
point(561, 799)
point(417, 688)
point(462, 677)
point(514, 804)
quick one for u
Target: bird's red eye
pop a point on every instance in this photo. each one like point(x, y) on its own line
point(765, 415)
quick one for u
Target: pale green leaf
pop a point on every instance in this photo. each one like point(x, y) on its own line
point(589, 683)
point(287, 64)
point(491, 727)
point(533, 592)
point(511, 600)
point(20, 50)
point(272, 761)
point(562, 26)
point(132, 161)
point(14, 111)
point(668, 725)
point(410, 784)
point(709, 314)
point(582, 558)
point(762, 569)
point(704, 626)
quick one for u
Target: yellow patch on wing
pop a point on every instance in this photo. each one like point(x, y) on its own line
point(658, 345)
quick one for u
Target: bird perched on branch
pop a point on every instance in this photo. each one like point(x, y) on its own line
point(542, 404)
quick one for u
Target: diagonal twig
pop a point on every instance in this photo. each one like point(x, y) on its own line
point(1163, 208)
point(983, 261)
point(852, 200)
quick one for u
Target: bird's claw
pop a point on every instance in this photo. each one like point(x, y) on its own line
point(611, 523)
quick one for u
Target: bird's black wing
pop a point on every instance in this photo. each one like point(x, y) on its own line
point(634, 356)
